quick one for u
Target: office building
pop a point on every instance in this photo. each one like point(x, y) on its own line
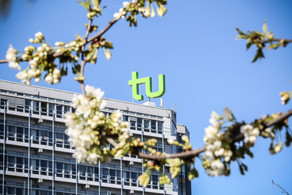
point(36, 157)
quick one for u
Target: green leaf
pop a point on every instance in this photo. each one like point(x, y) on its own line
point(241, 170)
point(242, 35)
point(258, 55)
point(249, 153)
point(273, 46)
point(85, 4)
point(288, 139)
point(248, 45)
point(96, 4)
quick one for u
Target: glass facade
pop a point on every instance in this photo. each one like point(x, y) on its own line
point(28, 146)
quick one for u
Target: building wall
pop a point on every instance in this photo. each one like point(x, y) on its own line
point(29, 159)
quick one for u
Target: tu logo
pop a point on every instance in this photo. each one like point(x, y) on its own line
point(135, 82)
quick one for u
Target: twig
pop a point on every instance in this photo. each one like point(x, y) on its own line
point(83, 61)
point(283, 191)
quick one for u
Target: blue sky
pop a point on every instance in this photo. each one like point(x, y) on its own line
point(206, 69)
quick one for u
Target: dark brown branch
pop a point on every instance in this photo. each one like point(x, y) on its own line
point(98, 36)
point(279, 119)
point(278, 40)
point(283, 191)
point(83, 61)
point(185, 155)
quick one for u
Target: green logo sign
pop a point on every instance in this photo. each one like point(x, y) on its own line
point(135, 82)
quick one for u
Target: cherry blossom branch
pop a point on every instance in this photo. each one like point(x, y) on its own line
point(195, 152)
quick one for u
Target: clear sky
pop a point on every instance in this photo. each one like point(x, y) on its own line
point(206, 69)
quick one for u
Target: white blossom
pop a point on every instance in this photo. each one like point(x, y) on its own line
point(11, 58)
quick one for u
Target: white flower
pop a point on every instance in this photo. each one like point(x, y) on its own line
point(39, 36)
point(21, 75)
point(92, 158)
point(33, 63)
point(11, 54)
point(211, 132)
point(14, 65)
point(49, 79)
point(59, 43)
point(218, 144)
point(31, 73)
point(219, 152)
point(37, 80)
point(117, 15)
point(126, 4)
point(209, 154)
point(80, 154)
point(250, 133)
point(11, 58)
point(56, 73)
point(278, 147)
point(217, 164)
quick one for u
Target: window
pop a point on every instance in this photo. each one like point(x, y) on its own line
point(36, 107)
point(139, 124)
point(1, 131)
point(66, 109)
point(153, 126)
point(19, 134)
point(44, 165)
point(35, 136)
point(82, 171)
point(104, 174)
point(134, 179)
point(155, 181)
point(44, 108)
point(125, 118)
point(11, 132)
point(59, 167)
point(3, 102)
point(133, 124)
point(112, 175)
point(19, 164)
point(27, 105)
point(59, 111)
point(126, 175)
point(90, 173)
point(11, 162)
point(146, 125)
point(67, 169)
point(96, 173)
point(51, 109)
point(160, 127)
point(35, 166)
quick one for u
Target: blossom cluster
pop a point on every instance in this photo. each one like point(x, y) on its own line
point(135, 8)
point(216, 149)
point(250, 134)
point(88, 128)
point(12, 58)
point(42, 59)
point(285, 97)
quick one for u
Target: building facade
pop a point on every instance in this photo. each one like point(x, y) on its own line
point(36, 157)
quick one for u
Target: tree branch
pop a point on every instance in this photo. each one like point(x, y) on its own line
point(193, 153)
point(83, 61)
point(98, 35)
point(283, 191)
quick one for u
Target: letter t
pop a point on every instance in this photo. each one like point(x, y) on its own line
point(135, 86)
